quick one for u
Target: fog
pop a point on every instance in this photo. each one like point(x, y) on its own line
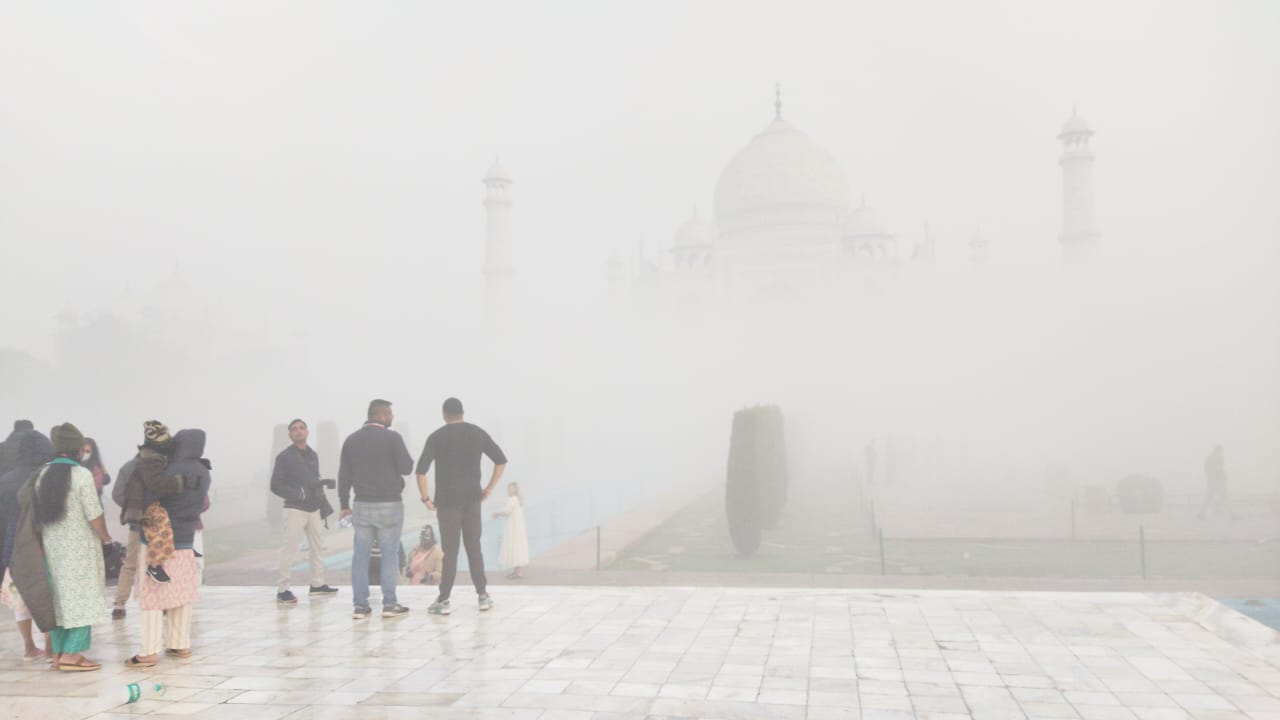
point(230, 215)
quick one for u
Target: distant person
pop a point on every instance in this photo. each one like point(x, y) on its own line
point(33, 451)
point(426, 559)
point(515, 539)
point(93, 462)
point(143, 470)
point(1215, 475)
point(296, 479)
point(374, 462)
point(172, 603)
point(456, 449)
point(72, 530)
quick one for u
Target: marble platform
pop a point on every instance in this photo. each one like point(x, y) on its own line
point(561, 653)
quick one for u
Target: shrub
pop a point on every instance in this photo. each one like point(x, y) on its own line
point(756, 486)
point(742, 486)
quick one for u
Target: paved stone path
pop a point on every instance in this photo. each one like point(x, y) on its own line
point(559, 653)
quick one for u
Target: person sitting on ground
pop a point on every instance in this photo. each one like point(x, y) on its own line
point(426, 560)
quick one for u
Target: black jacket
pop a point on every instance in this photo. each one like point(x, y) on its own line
point(185, 506)
point(31, 451)
point(296, 478)
point(374, 463)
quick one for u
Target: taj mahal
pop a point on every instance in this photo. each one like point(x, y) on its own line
point(785, 228)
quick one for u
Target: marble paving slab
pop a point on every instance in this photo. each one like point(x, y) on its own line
point(548, 653)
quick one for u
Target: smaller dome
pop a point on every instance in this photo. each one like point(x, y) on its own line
point(497, 173)
point(696, 232)
point(1076, 125)
point(977, 240)
point(865, 221)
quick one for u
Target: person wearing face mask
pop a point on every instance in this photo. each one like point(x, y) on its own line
point(91, 458)
point(426, 560)
point(373, 464)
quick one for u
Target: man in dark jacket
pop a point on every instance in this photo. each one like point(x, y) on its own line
point(296, 479)
point(374, 463)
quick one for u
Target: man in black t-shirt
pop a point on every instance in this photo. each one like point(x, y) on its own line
point(456, 450)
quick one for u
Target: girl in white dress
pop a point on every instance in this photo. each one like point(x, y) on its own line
point(515, 541)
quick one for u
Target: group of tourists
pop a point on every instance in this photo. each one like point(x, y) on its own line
point(372, 467)
point(55, 531)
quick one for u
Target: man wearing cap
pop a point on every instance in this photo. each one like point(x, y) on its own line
point(456, 450)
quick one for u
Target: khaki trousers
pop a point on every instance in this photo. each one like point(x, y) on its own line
point(297, 523)
point(128, 571)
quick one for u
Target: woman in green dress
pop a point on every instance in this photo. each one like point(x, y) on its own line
point(73, 530)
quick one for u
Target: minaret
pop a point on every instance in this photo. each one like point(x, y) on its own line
point(499, 267)
point(1080, 233)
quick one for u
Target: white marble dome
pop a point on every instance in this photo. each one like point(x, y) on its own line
point(782, 189)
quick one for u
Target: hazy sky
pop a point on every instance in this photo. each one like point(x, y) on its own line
point(326, 151)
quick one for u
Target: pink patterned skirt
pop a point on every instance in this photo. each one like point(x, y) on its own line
point(182, 588)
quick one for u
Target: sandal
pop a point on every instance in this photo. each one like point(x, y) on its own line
point(173, 652)
point(81, 666)
point(134, 662)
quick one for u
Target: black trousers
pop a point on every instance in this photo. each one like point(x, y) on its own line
point(460, 521)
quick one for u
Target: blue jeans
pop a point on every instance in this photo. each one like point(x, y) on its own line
point(384, 521)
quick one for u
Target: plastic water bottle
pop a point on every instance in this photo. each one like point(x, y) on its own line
point(133, 692)
point(345, 522)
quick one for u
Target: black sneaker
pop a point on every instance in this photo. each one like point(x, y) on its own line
point(157, 573)
point(286, 598)
point(439, 607)
point(397, 610)
point(361, 613)
point(323, 590)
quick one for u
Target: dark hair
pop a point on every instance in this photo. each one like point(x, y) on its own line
point(453, 407)
point(378, 405)
point(20, 425)
point(51, 495)
point(95, 457)
point(295, 421)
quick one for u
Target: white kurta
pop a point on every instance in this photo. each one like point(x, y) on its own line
point(515, 541)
